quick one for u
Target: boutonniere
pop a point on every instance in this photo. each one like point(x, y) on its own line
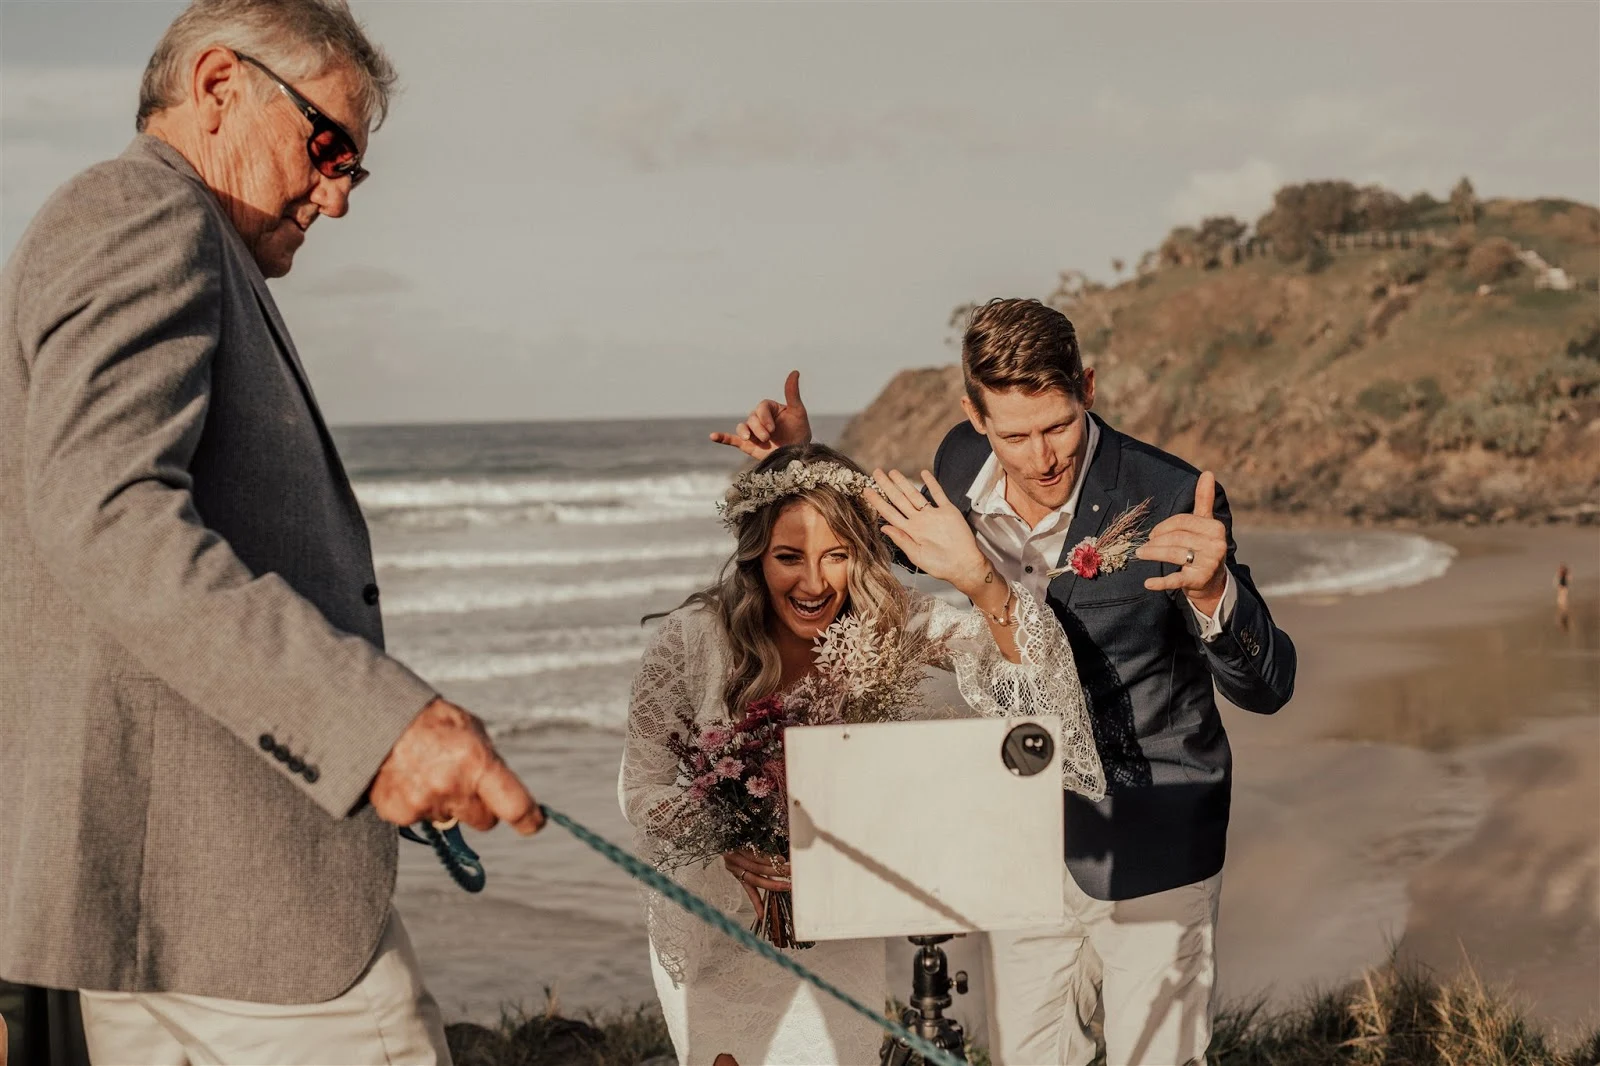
point(1111, 550)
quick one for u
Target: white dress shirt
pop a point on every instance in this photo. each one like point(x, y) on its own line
point(1027, 554)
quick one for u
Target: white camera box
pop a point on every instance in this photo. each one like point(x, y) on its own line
point(920, 828)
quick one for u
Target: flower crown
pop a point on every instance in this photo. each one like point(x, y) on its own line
point(755, 489)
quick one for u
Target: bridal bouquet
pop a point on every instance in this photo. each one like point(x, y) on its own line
point(734, 794)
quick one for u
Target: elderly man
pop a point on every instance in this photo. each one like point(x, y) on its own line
point(203, 747)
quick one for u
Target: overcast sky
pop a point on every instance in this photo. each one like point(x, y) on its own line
point(589, 209)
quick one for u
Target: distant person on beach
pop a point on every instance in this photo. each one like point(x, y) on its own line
point(808, 552)
point(1562, 576)
point(204, 750)
point(1039, 479)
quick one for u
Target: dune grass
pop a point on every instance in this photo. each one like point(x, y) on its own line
point(1395, 1015)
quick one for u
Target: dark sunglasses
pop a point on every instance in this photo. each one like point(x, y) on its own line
point(332, 150)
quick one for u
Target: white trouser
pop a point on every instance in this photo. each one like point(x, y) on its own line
point(386, 1017)
point(1150, 962)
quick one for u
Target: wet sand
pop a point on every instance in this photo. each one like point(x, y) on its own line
point(1433, 786)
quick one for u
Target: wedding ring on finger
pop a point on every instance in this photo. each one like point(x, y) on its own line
point(1188, 557)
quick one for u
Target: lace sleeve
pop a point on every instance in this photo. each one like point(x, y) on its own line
point(1045, 682)
point(672, 682)
point(647, 786)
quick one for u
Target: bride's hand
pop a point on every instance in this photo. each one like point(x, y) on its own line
point(933, 534)
point(757, 872)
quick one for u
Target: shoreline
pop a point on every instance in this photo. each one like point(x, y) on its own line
point(1346, 842)
point(1409, 765)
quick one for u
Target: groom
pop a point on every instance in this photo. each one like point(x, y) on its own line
point(1037, 474)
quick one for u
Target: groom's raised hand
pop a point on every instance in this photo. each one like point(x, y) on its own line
point(772, 425)
point(1198, 545)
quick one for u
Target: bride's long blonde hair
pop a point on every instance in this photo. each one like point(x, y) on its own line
point(739, 597)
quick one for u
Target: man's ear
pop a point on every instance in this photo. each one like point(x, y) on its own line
point(971, 411)
point(218, 84)
point(1088, 388)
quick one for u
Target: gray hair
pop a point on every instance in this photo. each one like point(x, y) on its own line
point(298, 39)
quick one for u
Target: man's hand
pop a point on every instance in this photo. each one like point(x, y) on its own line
point(772, 425)
point(1198, 544)
point(444, 766)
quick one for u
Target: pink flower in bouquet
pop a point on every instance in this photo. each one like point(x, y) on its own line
point(759, 787)
point(713, 738)
point(772, 770)
point(729, 767)
point(699, 763)
point(701, 786)
point(1085, 560)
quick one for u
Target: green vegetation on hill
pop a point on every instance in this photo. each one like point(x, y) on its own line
point(1369, 382)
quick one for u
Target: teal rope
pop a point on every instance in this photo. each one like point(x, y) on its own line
point(641, 871)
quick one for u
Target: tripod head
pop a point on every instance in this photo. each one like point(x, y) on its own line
point(930, 995)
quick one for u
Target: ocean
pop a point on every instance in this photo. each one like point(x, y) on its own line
point(516, 561)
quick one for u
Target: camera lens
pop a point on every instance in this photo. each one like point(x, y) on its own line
point(1027, 749)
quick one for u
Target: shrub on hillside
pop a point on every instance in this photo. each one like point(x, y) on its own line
point(1586, 345)
point(1181, 247)
point(1302, 213)
point(1464, 202)
point(1393, 400)
point(1217, 233)
point(1376, 208)
point(1422, 203)
point(1492, 260)
point(1412, 267)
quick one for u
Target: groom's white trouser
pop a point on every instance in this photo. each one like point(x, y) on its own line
point(1149, 962)
point(386, 1017)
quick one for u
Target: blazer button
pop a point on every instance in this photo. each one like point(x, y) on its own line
point(268, 742)
point(370, 594)
point(280, 753)
point(311, 774)
point(295, 764)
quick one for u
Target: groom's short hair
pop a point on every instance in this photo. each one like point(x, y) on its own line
point(1020, 344)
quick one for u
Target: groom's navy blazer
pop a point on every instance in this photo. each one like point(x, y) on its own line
point(1148, 677)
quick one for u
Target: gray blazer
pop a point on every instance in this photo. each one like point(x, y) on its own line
point(1148, 677)
point(193, 692)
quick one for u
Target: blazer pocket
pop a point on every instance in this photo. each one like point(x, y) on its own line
point(1115, 601)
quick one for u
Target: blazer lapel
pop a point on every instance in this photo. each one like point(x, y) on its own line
point(149, 147)
point(153, 148)
point(1094, 504)
point(285, 346)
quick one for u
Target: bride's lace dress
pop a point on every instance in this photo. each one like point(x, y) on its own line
point(720, 997)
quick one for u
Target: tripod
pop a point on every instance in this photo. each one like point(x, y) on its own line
point(924, 1015)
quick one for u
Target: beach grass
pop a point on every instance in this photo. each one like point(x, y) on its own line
point(1398, 1015)
point(1395, 1015)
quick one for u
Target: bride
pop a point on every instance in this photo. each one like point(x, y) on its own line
point(809, 551)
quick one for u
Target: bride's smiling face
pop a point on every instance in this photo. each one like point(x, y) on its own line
point(807, 571)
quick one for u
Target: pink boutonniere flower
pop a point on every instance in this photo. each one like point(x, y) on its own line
point(1112, 550)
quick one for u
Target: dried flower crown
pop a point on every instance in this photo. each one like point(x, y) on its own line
point(755, 489)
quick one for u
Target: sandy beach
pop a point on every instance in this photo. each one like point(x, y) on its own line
point(1434, 787)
